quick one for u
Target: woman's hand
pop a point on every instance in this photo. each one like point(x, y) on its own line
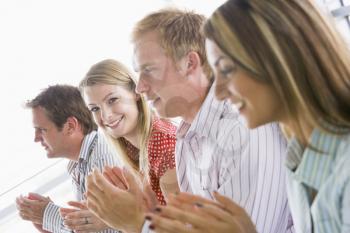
point(190, 213)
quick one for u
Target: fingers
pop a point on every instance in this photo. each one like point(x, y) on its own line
point(20, 204)
point(115, 176)
point(101, 182)
point(131, 182)
point(35, 196)
point(168, 183)
point(150, 197)
point(77, 204)
point(84, 221)
point(209, 211)
point(65, 211)
point(229, 205)
point(160, 224)
point(92, 189)
point(73, 223)
point(25, 204)
point(184, 216)
point(192, 199)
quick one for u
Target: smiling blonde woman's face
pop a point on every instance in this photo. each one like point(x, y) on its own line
point(256, 101)
point(114, 109)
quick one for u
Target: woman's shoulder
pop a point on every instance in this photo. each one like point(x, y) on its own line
point(163, 126)
point(343, 155)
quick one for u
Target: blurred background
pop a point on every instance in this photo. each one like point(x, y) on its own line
point(46, 42)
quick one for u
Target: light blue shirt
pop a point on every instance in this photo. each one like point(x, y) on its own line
point(321, 169)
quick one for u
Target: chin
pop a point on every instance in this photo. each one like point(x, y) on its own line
point(162, 113)
point(250, 123)
point(50, 156)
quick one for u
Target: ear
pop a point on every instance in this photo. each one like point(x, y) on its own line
point(193, 62)
point(71, 125)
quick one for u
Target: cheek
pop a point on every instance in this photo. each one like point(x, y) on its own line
point(134, 111)
point(221, 89)
point(235, 87)
point(97, 119)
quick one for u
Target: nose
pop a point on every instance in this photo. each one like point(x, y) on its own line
point(221, 91)
point(106, 113)
point(141, 86)
point(37, 136)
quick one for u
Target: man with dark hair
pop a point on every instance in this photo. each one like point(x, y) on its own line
point(65, 128)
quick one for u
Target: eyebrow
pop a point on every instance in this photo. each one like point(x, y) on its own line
point(104, 98)
point(39, 128)
point(142, 67)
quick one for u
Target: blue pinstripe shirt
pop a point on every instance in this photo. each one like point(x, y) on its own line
point(94, 153)
point(318, 183)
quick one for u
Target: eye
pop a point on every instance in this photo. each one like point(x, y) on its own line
point(41, 130)
point(228, 70)
point(147, 70)
point(94, 109)
point(112, 100)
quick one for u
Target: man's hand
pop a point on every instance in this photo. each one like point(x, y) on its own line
point(32, 207)
point(120, 209)
point(80, 219)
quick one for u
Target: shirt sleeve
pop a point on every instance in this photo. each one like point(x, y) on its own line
point(53, 221)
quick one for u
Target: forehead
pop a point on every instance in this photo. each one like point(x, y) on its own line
point(213, 52)
point(147, 49)
point(40, 116)
point(98, 92)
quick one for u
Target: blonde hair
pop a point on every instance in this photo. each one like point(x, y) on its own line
point(291, 46)
point(112, 72)
point(179, 33)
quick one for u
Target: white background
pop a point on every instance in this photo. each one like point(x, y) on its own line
point(46, 42)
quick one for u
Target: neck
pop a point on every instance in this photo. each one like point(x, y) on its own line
point(74, 149)
point(134, 139)
point(306, 127)
point(202, 91)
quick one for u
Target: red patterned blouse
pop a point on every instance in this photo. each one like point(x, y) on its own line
point(161, 153)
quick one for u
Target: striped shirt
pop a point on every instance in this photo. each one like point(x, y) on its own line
point(323, 169)
point(94, 153)
point(218, 153)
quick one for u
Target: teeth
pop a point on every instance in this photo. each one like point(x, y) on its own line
point(115, 123)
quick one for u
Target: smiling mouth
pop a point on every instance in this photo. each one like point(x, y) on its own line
point(115, 124)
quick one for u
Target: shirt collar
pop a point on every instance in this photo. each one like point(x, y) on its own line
point(313, 164)
point(85, 151)
point(87, 145)
point(210, 111)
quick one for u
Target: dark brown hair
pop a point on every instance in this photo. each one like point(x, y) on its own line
point(61, 102)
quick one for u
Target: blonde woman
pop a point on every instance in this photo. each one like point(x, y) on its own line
point(280, 61)
point(144, 142)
